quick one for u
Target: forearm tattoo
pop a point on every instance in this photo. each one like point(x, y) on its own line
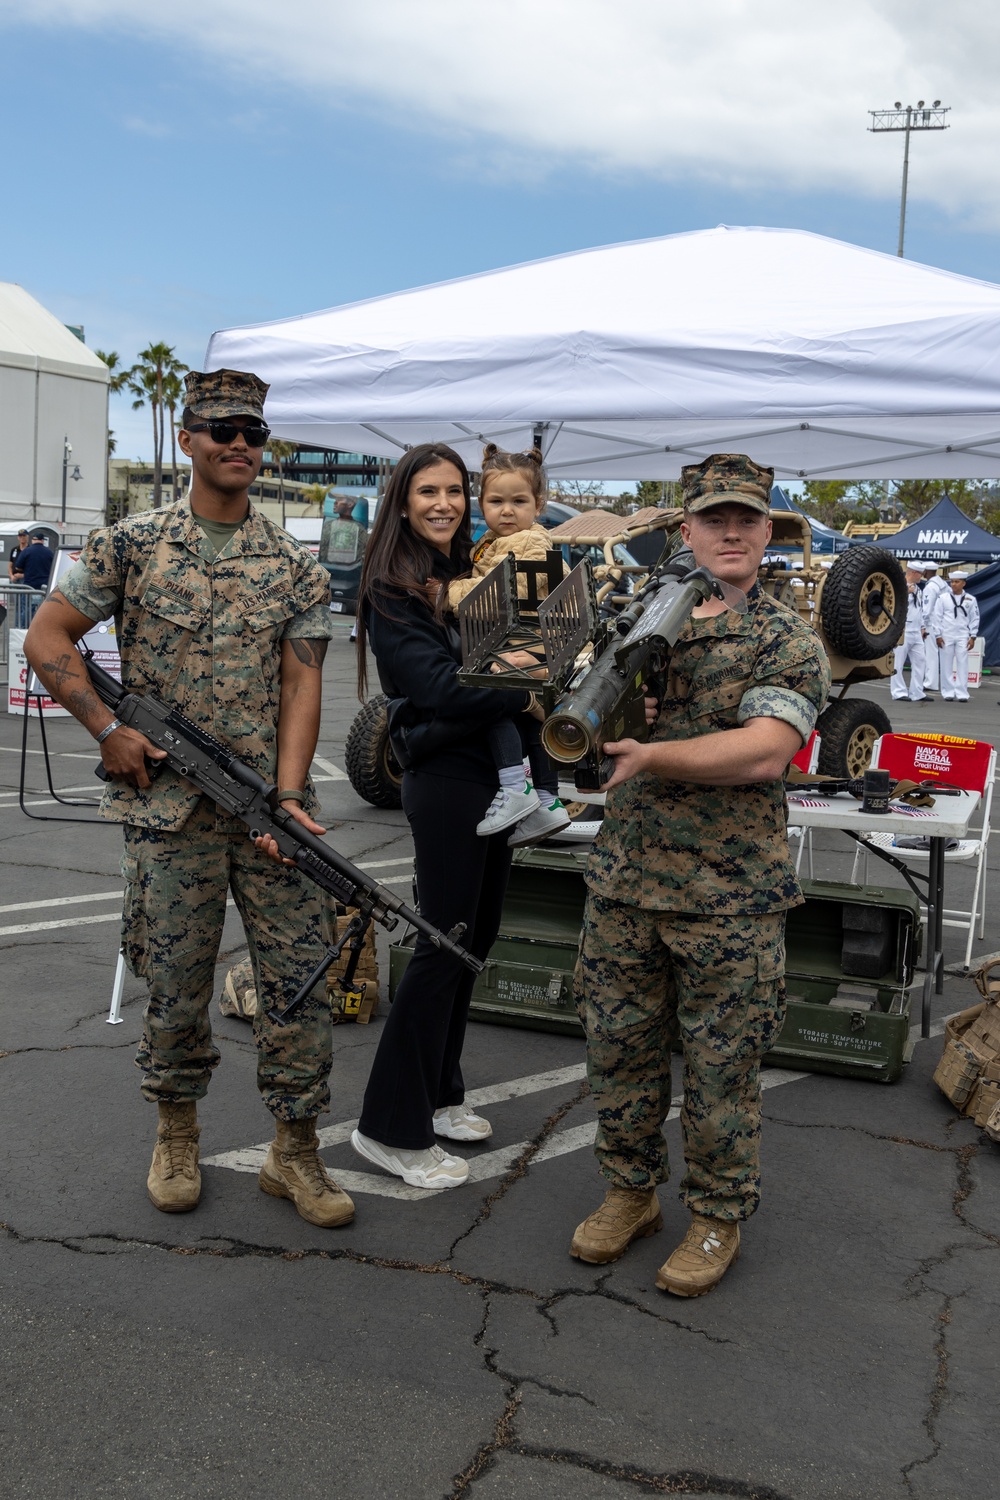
point(70, 686)
point(56, 672)
point(311, 653)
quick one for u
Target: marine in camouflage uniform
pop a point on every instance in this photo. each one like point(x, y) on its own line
point(683, 937)
point(227, 617)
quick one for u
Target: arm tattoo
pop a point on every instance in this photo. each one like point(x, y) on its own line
point(83, 704)
point(311, 653)
point(67, 683)
point(56, 672)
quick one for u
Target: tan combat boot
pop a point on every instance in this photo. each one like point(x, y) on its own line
point(625, 1215)
point(174, 1182)
point(701, 1259)
point(294, 1169)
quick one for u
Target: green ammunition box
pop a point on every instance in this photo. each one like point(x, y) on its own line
point(850, 957)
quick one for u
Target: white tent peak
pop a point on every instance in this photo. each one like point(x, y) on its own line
point(812, 354)
point(32, 336)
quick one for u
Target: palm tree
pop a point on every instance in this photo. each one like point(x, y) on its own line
point(118, 381)
point(279, 451)
point(316, 494)
point(120, 378)
point(173, 396)
point(146, 383)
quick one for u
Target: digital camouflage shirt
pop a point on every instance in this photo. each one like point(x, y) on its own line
point(201, 630)
point(677, 846)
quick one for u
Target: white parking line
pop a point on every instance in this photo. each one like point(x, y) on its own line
point(333, 773)
point(63, 901)
point(482, 1168)
point(23, 928)
point(64, 791)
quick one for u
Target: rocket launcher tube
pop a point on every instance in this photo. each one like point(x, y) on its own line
point(607, 701)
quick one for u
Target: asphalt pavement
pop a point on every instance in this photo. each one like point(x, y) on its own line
point(446, 1344)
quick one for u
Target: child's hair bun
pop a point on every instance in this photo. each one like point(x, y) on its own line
point(528, 464)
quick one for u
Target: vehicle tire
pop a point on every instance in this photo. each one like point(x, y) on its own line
point(863, 604)
point(847, 732)
point(372, 769)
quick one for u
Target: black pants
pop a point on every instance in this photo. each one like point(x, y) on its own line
point(511, 739)
point(460, 878)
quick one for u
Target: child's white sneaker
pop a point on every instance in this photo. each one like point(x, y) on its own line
point(548, 819)
point(457, 1122)
point(507, 808)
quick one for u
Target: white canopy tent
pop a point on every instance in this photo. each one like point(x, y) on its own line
point(52, 389)
point(818, 357)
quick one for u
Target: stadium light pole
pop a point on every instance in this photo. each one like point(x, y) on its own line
point(923, 117)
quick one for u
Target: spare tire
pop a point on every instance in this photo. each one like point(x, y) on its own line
point(372, 769)
point(847, 732)
point(863, 603)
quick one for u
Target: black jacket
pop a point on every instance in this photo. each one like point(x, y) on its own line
point(436, 725)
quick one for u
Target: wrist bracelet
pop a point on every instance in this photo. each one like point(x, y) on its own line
point(292, 796)
point(115, 724)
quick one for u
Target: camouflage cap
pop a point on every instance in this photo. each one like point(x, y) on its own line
point(726, 477)
point(224, 393)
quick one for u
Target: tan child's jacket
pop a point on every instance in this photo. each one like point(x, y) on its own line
point(527, 546)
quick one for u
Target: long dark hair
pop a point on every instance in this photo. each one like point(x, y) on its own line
point(397, 560)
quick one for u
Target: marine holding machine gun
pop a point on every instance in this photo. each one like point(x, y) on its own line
point(238, 789)
point(596, 669)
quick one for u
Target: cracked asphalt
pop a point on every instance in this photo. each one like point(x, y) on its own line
point(451, 1347)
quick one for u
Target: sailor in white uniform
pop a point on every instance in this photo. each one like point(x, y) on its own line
point(933, 588)
point(955, 627)
point(912, 644)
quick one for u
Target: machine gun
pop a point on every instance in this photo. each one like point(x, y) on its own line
point(238, 789)
point(589, 700)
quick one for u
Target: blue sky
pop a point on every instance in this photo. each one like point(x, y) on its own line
point(153, 189)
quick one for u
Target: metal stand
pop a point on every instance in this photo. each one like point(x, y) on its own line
point(115, 1013)
point(63, 801)
point(933, 898)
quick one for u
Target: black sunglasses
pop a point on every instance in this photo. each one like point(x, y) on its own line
point(255, 433)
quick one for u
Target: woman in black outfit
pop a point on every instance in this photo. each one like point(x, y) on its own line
point(420, 541)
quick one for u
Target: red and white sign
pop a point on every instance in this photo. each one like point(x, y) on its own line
point(17, 682)
point(100, 639)
point(935, 757)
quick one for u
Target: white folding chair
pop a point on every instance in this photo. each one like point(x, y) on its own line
point(973, 850)
point(806, 761)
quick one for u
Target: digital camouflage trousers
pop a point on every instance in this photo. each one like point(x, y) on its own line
point(176, 885)
point(648, 979)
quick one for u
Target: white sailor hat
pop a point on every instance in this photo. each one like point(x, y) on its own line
point(929, 567)
point(914, 567)
point(958, 573)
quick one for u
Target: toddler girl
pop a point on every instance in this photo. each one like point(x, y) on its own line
point(512, 496)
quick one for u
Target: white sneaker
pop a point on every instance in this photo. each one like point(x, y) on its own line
point(432, 1168)
point(548, 819)
point(507, 808)
point(459, 1123)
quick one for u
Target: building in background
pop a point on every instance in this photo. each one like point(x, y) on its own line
point(130, 489)
point(331, 468)
point(53, 419)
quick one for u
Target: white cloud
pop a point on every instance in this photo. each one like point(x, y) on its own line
point(760, 93)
